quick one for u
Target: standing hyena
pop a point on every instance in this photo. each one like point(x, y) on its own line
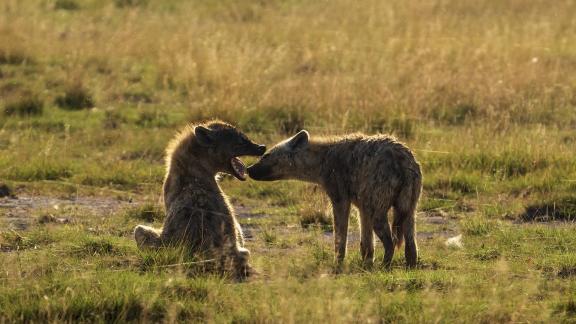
point(372, 172)
point(198, 214)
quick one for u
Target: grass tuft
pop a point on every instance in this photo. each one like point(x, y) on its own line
point(560, 209)
point(66, 5)
point(486, 254)
point(25, 106)
point(137, 97)
point(95, 246)
point(130, 3)
point(76, 97)
point(402, 127)
point(567, 308)
point(286, 120)
point(147, 212)
point(38, 170)
point(11, 240)
point(5, 190)
point(112, 119)
point(154, 118)
point(311, 217)
point(477, 226)
point(459, 183)
point(197, 290)
point(269, 237)
point(456, 115)
point(315, 209)
point(13, 57)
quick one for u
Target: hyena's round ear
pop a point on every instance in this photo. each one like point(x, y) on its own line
point(205, 136)
point(299, 140)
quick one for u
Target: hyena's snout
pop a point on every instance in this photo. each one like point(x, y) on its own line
point(251, 149)
point(258, 150)
point(259, 171)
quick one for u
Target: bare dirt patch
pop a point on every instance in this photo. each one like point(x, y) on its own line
point(17, 212)
point(244, 212)
point(444, 225)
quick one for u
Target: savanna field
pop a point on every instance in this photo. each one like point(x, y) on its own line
point(484, 92)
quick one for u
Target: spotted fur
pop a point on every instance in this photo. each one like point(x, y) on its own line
point(375, 173)
point(198, 214)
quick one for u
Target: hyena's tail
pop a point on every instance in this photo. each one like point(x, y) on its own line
point(404, 224)
point(147, 237)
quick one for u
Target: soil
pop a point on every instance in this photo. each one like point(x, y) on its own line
point(17, 212)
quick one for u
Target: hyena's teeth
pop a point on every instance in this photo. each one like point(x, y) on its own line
point(239, 168)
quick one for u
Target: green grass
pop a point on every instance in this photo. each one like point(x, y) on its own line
point(481, 91)
point(132, 285)
point(75, 97)
point(24, 107)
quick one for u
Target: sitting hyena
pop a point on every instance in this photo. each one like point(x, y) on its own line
point(372, 172)
point(198, 214)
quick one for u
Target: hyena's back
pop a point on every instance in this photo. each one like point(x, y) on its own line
point(376, 169)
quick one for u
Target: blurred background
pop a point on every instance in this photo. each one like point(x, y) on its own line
point(483, 92)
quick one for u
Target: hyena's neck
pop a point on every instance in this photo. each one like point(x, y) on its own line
point(189, 160)
point(309, 163)
point(185, 172)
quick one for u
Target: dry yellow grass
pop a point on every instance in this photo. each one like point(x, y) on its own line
point(348, 63)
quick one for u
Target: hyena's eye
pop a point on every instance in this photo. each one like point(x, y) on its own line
point(242, 140)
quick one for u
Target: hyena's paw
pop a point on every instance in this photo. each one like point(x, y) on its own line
point(244, 253)
point(241, 267)
point(368, 264)
point(146, 237)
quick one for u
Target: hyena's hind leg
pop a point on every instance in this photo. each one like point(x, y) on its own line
point(367, 237)
point(405, 227)
point(405, 220)
point(147, 237)
point(384, 233)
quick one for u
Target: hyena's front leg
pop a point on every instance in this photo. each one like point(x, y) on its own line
point(242, 267)
point(237, 260)
point(341, 211)
point(239, 233)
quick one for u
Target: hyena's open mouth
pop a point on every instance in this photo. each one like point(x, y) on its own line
point(238, 168)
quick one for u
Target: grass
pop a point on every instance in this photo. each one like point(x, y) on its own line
point(66, 5)
point(24, 107)
point(561, 208)
point(481, 91)
point(147, 213)
point(76, 97)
